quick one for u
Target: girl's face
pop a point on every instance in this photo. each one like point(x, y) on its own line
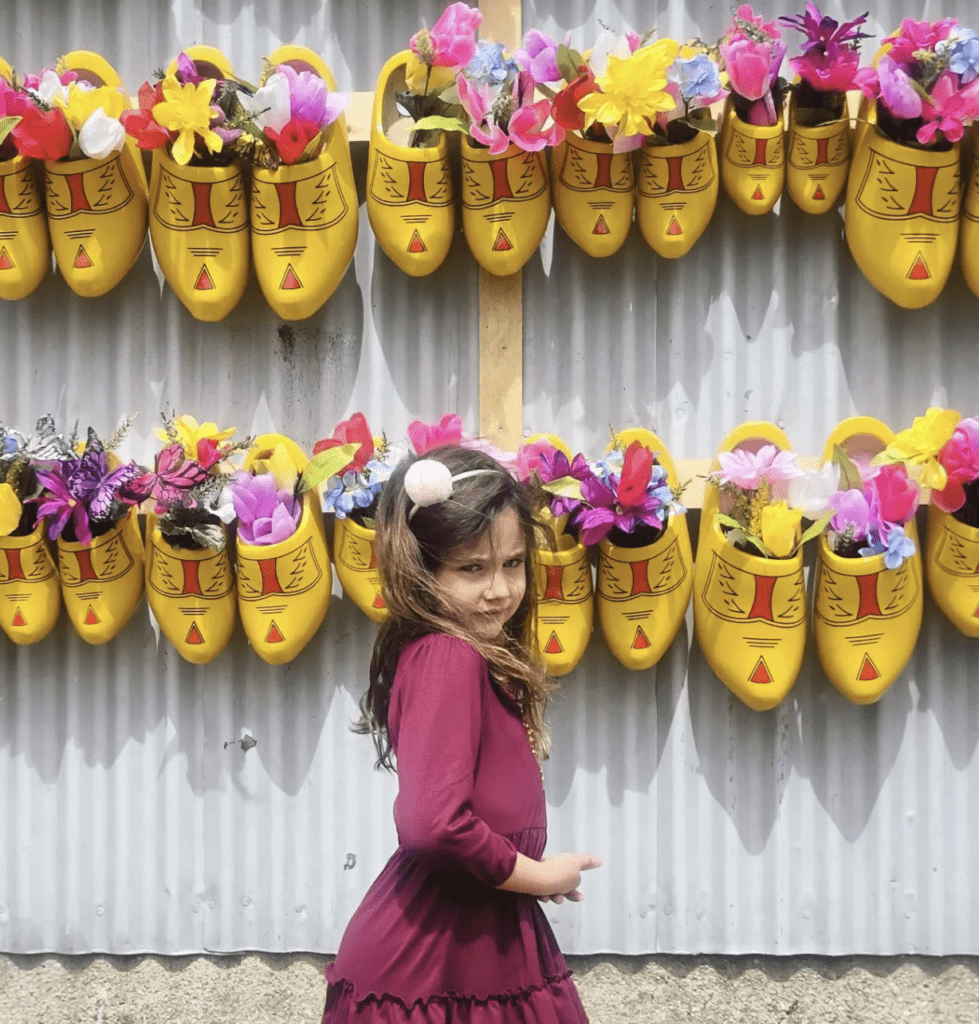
point(484, 583)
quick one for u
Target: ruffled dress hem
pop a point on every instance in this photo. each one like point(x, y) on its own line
point(556, 1001)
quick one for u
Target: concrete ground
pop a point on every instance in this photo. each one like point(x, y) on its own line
point(258, 988)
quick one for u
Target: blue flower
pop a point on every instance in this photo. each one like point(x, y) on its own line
point(965, 56)
point(699, 78)
point(9, 445)
point(343, 494)
point(609, 464)
point(899, 547)
point(490, 67)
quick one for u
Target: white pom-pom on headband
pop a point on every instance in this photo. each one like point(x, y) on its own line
point(429, 481)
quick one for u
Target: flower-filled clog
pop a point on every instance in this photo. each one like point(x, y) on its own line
point(25, 246)
point(592, 193)
point(749, 610)
point(506, 204)
point(565, 594)
point(643, 592)
point(284, 587)
point(191, 592)
point(866, 616)
point(409, 188)
point(304, 211)
point(902, 214)
point(818, 161)
point(676, 193)
point(356, 562)
point(102, 581)
point(199, 212)
point(96, 206)
point(30, 591)
point(752, 161)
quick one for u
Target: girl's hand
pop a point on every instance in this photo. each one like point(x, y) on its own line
point(562, 875)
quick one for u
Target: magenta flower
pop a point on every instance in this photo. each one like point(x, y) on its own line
point(821, 30)
point(59, 505)
point(527, 129)
point(753, 66)
point(918, 35)
point(896, 90)
point(477, 101)
point(426, 436)
point(187, 73)
point(835, 68)
point(453, 37)
point(530, 459)
point(554, 466)
point(893, 495)
point(746, 469)
point(265, 515)
point(950, 110)
point(960, 459)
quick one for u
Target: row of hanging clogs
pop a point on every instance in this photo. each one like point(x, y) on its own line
point(298, 222)
point(749, 612)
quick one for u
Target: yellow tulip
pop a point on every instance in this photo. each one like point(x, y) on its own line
point(633, 89)
point(187, 109)
point(189, 432)
point(780, 528)
point(10, 510)
point(925, 437)
point(82, 103)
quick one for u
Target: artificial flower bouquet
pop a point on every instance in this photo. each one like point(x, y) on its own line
point(942, 449)
point(190, 120)
point(90, 513)
point(905, 179)
point(819, 125)
point(28, 574)
point(189, 577)
point(752, 148)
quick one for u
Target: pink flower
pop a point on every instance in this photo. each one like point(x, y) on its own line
point(752, 67)
point(746, 469)
point(960, 457)
point(919, 35)
point(534, 457)
point(893, 494)
point(426, 436)
point(837, 69)
point(896, 91)
point(745, 13)
point(951, 109)
point(527, 129)
point(453, 36)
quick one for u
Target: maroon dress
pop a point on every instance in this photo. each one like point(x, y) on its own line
point(434, 941)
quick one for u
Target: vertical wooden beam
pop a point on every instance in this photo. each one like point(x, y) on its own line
point(501, 298)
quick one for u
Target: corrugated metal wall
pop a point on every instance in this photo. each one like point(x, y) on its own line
point(134, 816)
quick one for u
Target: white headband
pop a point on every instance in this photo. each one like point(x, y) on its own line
point(429, 481)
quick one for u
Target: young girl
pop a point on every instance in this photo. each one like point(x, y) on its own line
point(451, 930)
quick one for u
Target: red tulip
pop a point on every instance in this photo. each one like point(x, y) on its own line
point(565, 108)
point(44, 135)
point(295, 136)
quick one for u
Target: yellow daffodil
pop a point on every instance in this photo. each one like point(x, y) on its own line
point(422, 78)
point(280, 465)
point(10, 510)
point(920, 443)
point(187, 109)
point(780, 528)
point(633, 89)
point(190, 432)
point(82, 103)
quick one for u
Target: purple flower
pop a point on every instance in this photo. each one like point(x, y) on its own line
point(187, 73)
point(265, 516)
point(852, 513)
point(539, 56)
point(309, 98)
point(896, 90)
point(59, 505)
point(821, 30)
point(556, 465)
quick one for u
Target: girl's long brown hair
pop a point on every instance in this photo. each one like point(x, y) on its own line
point(408, 555)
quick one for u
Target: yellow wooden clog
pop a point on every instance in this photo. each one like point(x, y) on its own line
point(752, 161)
point(643, 593)
point(749, 611)
point(818, 162)
point(30, 592)
point(409, 190)
point(676, 193)
point(969, 226)
point(902, 215)
point(565, 598)
point(96, 208)
point(952, 568)
point(102, 582)
point(592, 192)
point(506, 204)
point(192, 595)
point(199, 220)
point(356, 562)
point(304, 215)
point(284, 589)
point(25, 246)
point(866, 617)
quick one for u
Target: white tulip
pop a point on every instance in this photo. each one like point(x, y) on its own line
point(270, 106)
point(101, 135)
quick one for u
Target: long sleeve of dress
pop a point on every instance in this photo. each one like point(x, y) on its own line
point(435, 721)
